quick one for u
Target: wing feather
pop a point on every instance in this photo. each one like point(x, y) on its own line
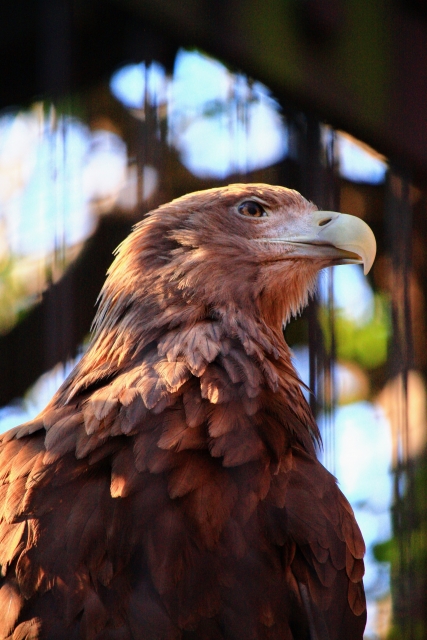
point(197, 409)
point(124, 474)
point(28, 630)
point(216, 386)
point(11, 603)
point(11, 543)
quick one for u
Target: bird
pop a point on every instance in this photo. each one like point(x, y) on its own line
point(171, 488)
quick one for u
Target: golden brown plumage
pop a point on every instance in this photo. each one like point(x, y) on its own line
point(171, 488)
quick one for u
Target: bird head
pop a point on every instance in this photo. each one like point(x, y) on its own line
point(248, 246)
point(246, 251)
point(253, 246)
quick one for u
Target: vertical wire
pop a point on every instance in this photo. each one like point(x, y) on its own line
point(313, 342)
point(320, 185)
point(245, 96)
point(329, 399)
point(331, 201)
point(143, 147)
point(311, 187)
point(401, 358)
point(60, 230)
point(235, 120)
point(59, 320)
point(230, 115)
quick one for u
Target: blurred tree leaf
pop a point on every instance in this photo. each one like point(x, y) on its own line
point(364, 343)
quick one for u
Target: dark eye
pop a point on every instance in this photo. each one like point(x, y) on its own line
point(251, 209)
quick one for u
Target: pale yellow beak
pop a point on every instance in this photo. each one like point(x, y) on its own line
point(338, 237)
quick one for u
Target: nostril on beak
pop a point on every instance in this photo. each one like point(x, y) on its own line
point(322, 223)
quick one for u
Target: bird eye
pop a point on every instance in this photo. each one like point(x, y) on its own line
point(251, 209)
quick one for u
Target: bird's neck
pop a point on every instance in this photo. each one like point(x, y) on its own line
point(225, 360)
point(120, 345)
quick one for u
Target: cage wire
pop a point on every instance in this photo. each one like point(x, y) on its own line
point(408, 574)
point(319, 183)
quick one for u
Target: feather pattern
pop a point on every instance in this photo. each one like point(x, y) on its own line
point(170, 490)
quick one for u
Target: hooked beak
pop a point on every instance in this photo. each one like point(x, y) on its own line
point(336, 237)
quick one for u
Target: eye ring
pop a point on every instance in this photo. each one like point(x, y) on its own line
point(251, 209)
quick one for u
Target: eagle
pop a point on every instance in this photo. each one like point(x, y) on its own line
point(171, 489)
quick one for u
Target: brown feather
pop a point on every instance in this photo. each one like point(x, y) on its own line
point(174, 374)
point(178, 436)
point(11, 543)
point(11, 602)
point(236, 448)
point(197, 409)
point(354, 567)
point(28, 630)
point(216, 386)
point(124, 474)
point(356, 598)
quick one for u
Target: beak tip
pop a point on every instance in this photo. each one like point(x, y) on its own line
point(352, 234)
point(370, 253)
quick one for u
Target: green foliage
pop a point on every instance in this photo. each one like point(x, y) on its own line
point(364, 343)
point(385, 551)
point(14, 295)
point(407, 553)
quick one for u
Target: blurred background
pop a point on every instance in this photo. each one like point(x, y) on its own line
point(108, 109)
